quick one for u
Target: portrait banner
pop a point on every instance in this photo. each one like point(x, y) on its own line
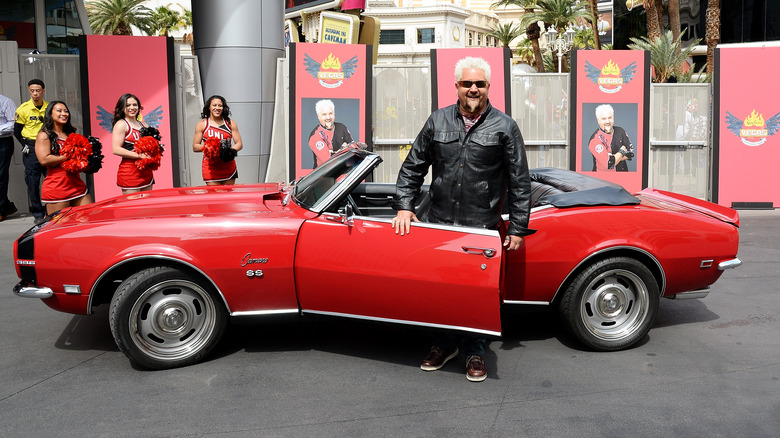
point(106, 74)
point(747, 120)
point(610, 109)
point(330, 102)
point(443, 63)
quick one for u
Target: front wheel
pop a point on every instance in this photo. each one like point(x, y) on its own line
point(165, 318)
point(612, 304)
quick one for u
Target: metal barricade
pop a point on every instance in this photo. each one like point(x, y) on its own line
point(62, 76)
point(540, 106)
point(680, 139)
point(402, 103)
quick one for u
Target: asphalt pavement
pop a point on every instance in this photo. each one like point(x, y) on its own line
point(708, 367)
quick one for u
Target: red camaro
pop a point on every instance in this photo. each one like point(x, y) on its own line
point(174, 264)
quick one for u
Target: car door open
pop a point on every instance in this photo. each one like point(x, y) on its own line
point(437, 276)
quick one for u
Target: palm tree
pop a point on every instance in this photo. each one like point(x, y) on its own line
point(594, 25)
point(584, 39)
point(654, 20)
point(165, 20)
point(505, 33)
point(115, 17)
point(532, 30)
point(525, 50)
point(558, 13)
point(666, 53)
point(712, 32)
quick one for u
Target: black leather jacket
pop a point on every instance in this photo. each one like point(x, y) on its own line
point(471, 172)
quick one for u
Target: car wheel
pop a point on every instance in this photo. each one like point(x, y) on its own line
point(164, 318)
point(612, 304)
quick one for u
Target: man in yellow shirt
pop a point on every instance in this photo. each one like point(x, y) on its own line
point(29, 120)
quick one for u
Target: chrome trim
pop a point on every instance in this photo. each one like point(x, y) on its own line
point(25, 262)
point(356, 175)
point(706, 264)
point(661, 286)
point(27, 291)
point(402, 321)
point(534, 303)
point(265, 312)
point(445, 227)
point(160, 257)
point(690, 295)
point(729, 264)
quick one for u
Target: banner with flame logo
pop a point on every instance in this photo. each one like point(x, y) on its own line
point(746, 147)
point(616, 82)
point(331, 73)
point(611, 77)
point(339, 73)
point(753, 131)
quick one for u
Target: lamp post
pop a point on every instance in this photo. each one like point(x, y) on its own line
point(560, 43)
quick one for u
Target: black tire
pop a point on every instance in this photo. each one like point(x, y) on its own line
point(164, 318)
point(612, 304)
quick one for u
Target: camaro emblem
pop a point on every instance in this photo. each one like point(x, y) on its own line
point(248, 260)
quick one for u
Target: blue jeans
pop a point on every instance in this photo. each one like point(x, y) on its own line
point(32, 177)
point(470, 344)
point(6, 153)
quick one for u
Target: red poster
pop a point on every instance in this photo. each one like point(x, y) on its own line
point(611, 97)
point(115, 65)
point(747, 147)
point(330, 101)
point(443, 64)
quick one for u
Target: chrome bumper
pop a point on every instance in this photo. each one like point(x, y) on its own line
point(28, 291)
point(729, 264)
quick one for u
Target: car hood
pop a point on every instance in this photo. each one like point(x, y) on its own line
point(186, 201)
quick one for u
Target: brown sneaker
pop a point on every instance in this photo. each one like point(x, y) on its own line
point(437, 358)
point(476, 371)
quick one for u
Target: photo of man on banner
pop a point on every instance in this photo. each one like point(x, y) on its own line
point(609, 147)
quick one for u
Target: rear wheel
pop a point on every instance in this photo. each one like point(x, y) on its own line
point(612, 304)
point(163, 317)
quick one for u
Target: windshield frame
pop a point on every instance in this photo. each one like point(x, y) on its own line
point(334, 178)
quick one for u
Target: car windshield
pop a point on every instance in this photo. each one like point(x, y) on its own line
point(325, 179)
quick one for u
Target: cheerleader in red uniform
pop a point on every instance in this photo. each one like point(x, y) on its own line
point(60, 188)
point(216, 125)
point(126, 131)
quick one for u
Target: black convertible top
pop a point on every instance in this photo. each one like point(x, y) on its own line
point(564, 188)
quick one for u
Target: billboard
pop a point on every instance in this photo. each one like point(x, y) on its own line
point(747, 120)
point(611, 90)
point(327, 75)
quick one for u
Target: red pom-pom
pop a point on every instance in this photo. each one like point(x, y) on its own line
point(151, 147)
point(76, 149)
point(211, 148)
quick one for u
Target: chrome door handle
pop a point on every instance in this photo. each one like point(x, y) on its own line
point(487, 252)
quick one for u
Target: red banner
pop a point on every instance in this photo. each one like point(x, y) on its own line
point(610, 108)
point(116, 65)
point(747, 147)
point(332, 81)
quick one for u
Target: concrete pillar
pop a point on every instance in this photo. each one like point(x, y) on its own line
point(237, 43)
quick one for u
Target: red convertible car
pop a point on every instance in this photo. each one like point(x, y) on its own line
point(175, 264)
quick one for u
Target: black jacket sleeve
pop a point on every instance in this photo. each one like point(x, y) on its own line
point(414, 169)
point(18, 132)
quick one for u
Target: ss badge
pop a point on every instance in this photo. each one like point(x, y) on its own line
point(251, 273)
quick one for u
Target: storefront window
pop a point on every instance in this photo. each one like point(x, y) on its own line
point(63, 27)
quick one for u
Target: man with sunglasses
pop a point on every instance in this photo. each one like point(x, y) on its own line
point(479, 164)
